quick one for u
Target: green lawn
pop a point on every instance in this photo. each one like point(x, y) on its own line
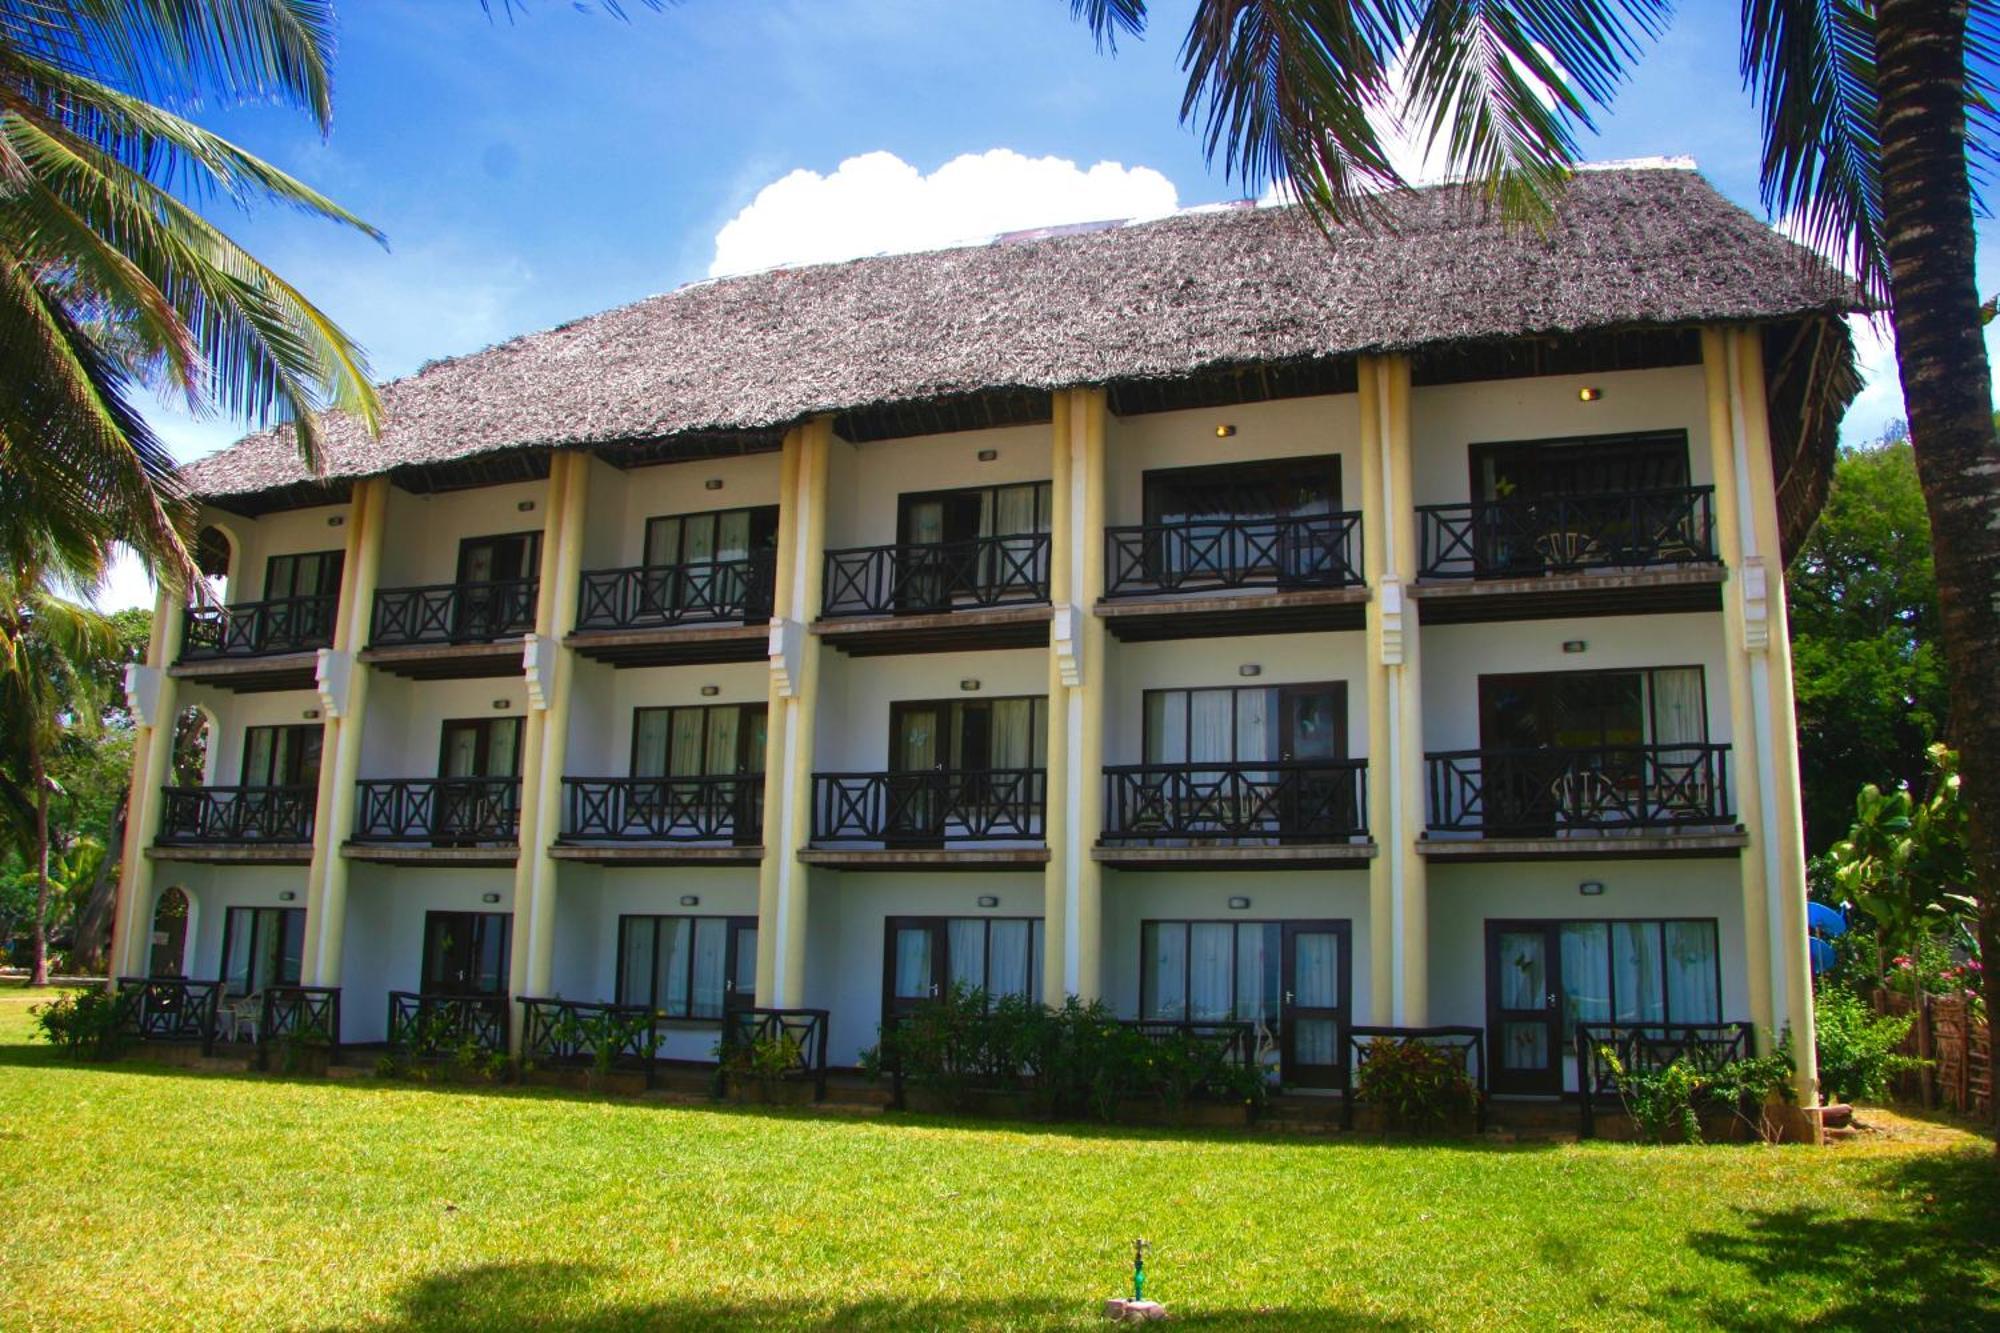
point(142, 1197)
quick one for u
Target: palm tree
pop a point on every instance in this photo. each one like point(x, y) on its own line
point(1874, 113)
point(111, 279)
point(44, 694)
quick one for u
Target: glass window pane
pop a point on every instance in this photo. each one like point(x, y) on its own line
point(1009, 959)
point(722, 734)
point(913, 963)
point(1524, 970)
point(1637, 988)
point(649, 743)
point(673, 966)
point(1252, 964)
point(1211, 970)
point(711, 936)
point(1586, 974)
point(490, 967)
point(1693, 972)
point(965, 950)
point(291, 955)
point(699, 545)
point(1317, 985)
point(502, 748)
point(1256, 738)
point(684, 759)
point(236, 966)
point(746, 961)
point(1210, 733)
point(635, 983)
point(1166, 727)
point(753, 746)
point(733, 539)
point(663, 542)
point(1164, 988)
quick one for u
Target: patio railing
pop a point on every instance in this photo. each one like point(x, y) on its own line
point(1563, 533)
point(1286, 801)
point(1466, 1045)
point(689, 809)
point(447, 811)
point(453, 613)
point(169, 1009)
point(974, 574)
point(259, 629)
point(1645, 1048)
point(930, 805)
point(426, 1027)
point(198, 816)
point(308, 1014)
point(1201, 554)
point(662, 596)
point(805, 1031)
point(1535, 792)
point(569, 1034)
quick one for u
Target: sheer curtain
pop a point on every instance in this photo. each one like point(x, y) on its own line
point(636, 977)
point(1678, 715)
point(965, 950)
point(1586, 974)
point(723, 725)
point(1008, 972)
point(1692, 971)
point(684, 759)
point(1211, 958)
point(711, 936)
point(1255, 960)
point(1637, 989)
point(1316, 986)
point(1165, 988)
point(676, 939)
point(649, 743)
point(1013, 740)
point(1166, 727)
point(913, 964)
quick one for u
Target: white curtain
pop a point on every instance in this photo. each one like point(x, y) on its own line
point(1211, 967)
point(1165, 990)
point(1256, 972)
point(1691, 972)
point(1586, 973)
point(733, 540)
point(1166, 727)
point(926, 522)
point(500, 741)
point(711, 936)
point(913, 964)
point(676, 941)
point(649, 743)
point(1209, 738)
point(1678, 716)
point(700, 539)
point(1256, 738)
point(663, 542)
point(966, 951)
point(1009, 971)
point(722, 730)
point(637, 974)
point(1524, 971)
point(1316, 962)
point(1013, 742)
point(1013, 511)
point(236, 970)
point(684, 759)
point(1637, 987)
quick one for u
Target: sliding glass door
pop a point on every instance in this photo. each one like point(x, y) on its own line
point(948, 757)
point(926, 955)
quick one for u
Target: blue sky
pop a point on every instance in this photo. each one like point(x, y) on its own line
point(533, 170)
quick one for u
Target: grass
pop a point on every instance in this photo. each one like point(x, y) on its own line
point(141, 1196)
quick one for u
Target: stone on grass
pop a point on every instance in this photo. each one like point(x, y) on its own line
point(1125, 1310)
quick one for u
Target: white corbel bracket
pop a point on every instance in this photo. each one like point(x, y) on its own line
point(538, 666)
point(1067, 642)
point(1756, 605)
point(1389, 593)
point(787, 656)
point(333, 675)
point(142, 693)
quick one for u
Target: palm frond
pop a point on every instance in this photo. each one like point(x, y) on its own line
point(1811, 65)
point(1107, 18)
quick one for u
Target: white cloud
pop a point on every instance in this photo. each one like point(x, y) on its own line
point(879, 204)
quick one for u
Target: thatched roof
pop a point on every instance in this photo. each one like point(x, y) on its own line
point(1157, 301)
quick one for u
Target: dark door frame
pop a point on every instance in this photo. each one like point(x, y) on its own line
point(1290, 1013)
point(1548, 1083)
point(468, 949)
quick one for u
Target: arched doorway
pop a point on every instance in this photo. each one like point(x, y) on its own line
point(171, 919)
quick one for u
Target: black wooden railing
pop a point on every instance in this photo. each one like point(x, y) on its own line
point(196, 816)
point(440, 810)
point(725, 808)
point(1538, 792)
point(308, 1014)
point(169, 1009)
point(1317, 551)
point(657, 596)
point(1559, 533)
point(1645, 1048)
point(1230, 1042)
point(803, 1031)
point(1281, 800)
point(453, 613)
point(256, 629)
point(930, 805)
point(938, 576)
point(427, 1026)
point(1467, 1045)
point(569, 1033)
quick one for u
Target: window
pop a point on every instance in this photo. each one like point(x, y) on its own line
point(712, 740)
point(1001, 956)
point(929, 517)
point(715, 537)
point(968, 735)
point(1597, 465)
point(687, 966)
point(1586, 709)
point(480, 747)
point(466, 953)
point(509, 556)
point(1241, 724)
point(1211, 971)
point(314, 574)
point(262, 946)
point(1639, 972)
point(1269, 489)
point(283, 756)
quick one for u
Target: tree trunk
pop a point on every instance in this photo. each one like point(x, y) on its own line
point(93, 918)
point(39, 959)
point(1947, 389)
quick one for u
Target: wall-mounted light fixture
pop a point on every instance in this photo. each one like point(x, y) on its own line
point(1575, 646)
point(503, 704)
point(526, 506)
point(690, 900)
point(312, 714)
point(712, 484)
point(287, 895)
point(1250, 669)
point(1591, 888)
point(336, 521)
point(1224, 431)
point(989, 900)
point(1589, 393)
point(489, 897)
point(968, 685)
point(710, 691)
point(988, 455)
point(1239, 904)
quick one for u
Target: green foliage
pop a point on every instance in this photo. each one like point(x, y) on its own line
point(1417, 1085)
point(1859, 1050)
point(84, 1025)
point(766, 1058)
point(1906, 864)
point(1667, 1103)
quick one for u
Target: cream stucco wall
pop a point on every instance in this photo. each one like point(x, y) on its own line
point(1289, 428)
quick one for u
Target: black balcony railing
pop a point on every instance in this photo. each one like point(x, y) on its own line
point(1562, 533)
point(210, 816)
point(800, 1034)
point(1647, 1048)
point(1538, 792)
point(453, 613)
point(938, 576)
point(448, 811)
point(309, 1015)
point(930, 806)
point(258, 629)
point(1200, 554)
point(662, 596)
point(1285, 801)
point(569, 1033)
point(169, 1009)
point(1465, 1046)
point(426, 1027)
point(696, 809)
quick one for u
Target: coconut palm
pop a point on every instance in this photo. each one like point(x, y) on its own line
point(1876, 115)
point(45, 694)
point(111, 280)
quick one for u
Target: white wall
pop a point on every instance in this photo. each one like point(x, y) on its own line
point(405, 722)
point(420, 543)
point(1284, 659)
point(600, 726)
point(855, 693)
point(1289, 428)
point(621, 502)
point(864, 480)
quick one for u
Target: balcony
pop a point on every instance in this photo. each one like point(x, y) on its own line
point(677, 615)
point(269, 824)
point(1198, 578)
point(984, 592)
point(1292, 812)
point(932, 817)
point(663, 820)
point(1568, 555)
point(422, 820)
point(257, 646)
point(1612, 800)
point(452, 630)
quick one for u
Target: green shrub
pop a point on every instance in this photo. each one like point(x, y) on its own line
point(1417, 1085)
point(1859, 1050)
point(766, 1058)
point(1667, 1103)
point(83, 1025)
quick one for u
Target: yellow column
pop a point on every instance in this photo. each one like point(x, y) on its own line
point(344, 695)
point(795, 663)
point(155, 695)
point(1382, 766)
point(556, 665)
point(1087, 698)
point(1746, 785)
point(1771, 694)
point(1062, 670)
point(777, 774)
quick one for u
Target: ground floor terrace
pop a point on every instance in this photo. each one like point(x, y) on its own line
point(1520, 960)
point(144, 1196)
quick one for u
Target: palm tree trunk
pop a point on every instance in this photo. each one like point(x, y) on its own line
point(39, 959)
point(1948, 390)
